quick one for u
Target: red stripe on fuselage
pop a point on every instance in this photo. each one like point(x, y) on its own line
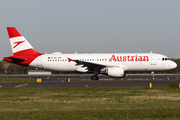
point(13, 32)
point(29, 54)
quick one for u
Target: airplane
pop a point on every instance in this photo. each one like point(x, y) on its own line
point(110, 64)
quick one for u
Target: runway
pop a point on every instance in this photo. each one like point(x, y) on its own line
point(90, 84)
point(86, 77)
point(84, 81)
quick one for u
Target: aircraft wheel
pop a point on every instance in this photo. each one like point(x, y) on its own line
point(97, 78)
point(152, 75)
point(94, 77)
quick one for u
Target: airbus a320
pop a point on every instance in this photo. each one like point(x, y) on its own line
point(112, 64)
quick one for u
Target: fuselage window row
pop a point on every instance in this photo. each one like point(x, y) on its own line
point(109, 59)
point(80, 60)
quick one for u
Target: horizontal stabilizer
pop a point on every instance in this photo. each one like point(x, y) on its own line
point(15, 59)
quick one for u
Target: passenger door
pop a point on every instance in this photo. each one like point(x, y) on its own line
point(153, 60)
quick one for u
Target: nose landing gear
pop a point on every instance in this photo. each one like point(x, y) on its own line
point(152, 75)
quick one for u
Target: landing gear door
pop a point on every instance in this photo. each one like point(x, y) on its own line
point(153, 60)
point(39, 61)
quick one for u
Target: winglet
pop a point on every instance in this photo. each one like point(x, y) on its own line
point(70, 59)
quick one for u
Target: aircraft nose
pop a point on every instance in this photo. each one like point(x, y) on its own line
point(173, 65)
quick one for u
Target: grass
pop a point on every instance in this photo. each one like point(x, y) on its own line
point(16, 80)
point(90, 103)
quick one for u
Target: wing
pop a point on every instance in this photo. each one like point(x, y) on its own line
point(91, 66)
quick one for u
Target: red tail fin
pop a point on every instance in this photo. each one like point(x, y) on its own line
point(21, 48)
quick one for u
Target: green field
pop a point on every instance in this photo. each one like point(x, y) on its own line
point(90, 103)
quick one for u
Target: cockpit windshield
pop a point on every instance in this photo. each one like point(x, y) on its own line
point(165, 59)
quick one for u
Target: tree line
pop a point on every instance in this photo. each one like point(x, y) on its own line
point(10, 68)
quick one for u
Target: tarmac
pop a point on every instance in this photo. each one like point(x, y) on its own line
point(83, 80)
point(90, 84)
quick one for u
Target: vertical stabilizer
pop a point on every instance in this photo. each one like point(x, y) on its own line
point(23, 52)
point(20, 46)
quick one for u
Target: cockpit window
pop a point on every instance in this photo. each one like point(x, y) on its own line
point(165, 59)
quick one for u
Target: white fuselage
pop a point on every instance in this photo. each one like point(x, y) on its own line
point(129, 61)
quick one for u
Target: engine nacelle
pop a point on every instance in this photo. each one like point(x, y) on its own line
point(83, 69)
point(115, 72)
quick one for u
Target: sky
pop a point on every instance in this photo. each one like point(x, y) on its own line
point(93, 26)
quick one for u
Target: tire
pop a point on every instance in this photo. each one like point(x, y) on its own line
point(94, 77)
point(97, 78)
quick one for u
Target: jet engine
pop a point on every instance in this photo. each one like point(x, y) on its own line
point(83, 69)
point(115, 72)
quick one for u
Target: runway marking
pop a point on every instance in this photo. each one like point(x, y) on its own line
point(22, 85)
point(124, 77)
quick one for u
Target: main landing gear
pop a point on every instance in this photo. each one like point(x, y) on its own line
point(94, 77)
